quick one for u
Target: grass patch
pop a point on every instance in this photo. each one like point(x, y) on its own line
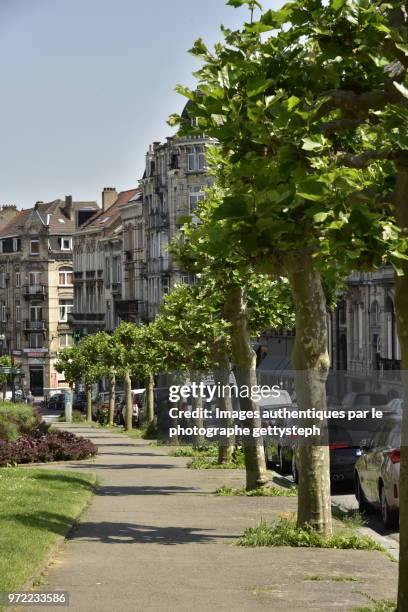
point(36, 506)
point(226, 491)
point(210, 463)
point(350, 518)
point(16, 419)
point(142, 433)
point(190, 451)
point(77, 417)
point(317, 578)
point(284, 532)
point(377, 605)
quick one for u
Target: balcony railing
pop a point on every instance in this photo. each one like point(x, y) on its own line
point(158, 265)
point(85, 317)
point(35, 291)
point(35, 325)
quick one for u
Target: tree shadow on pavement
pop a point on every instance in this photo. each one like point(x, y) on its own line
point(145, 490)
point(119, 533)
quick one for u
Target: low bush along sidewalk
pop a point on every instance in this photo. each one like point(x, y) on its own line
point(36, 506)
point(24, 439)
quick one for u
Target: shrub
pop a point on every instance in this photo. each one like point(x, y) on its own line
point(47, 446)
point(17, 419)
point(285, 532)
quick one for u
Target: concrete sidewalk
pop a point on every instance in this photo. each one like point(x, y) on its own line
point(156, 538)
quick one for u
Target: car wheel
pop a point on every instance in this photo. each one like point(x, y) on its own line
point(389, 517)
point(295, 473)
point(363, 505)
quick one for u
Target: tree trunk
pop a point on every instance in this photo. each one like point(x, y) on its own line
point(310, 361)
point(150, 400)
point(112, 390)
point(88, 389)
point(226, 445)
point(197, 406)
point(245, 361)
point(402, 326)
point(128, 403)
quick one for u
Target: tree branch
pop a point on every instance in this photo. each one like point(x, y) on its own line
point(363, 160)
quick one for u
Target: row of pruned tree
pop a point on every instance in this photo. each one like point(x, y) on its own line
point(309, 105)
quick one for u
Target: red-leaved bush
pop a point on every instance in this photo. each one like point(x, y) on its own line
point(39, 447)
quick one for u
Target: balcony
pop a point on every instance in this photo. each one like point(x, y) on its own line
point(35, 325)
point(159, 265)
point(35, 291)
point(158, 221)
point(132, 310)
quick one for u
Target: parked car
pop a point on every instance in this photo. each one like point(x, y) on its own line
point(79, 402)
point(365, 401)
point(377, 471)
point(344, 439)
point(273, 450)
point(56, 402)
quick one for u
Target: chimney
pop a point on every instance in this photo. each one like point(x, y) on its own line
point(109, 197)
point(68, 206)
point(7, 212)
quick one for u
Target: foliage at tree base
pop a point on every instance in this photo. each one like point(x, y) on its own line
point(226, 491)
point(210, 463)
point(40, 447)
point(190, 451)
point(284, 532)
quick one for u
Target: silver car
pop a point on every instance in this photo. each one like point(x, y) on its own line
point(377, 471)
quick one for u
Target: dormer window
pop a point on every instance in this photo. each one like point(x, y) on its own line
point(66, 243)
point(34, 246)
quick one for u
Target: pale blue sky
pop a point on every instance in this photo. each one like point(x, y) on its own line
point(87, 85)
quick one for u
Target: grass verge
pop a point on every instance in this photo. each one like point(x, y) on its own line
point(226, 491)
point(284, 532)
point(210, 463)
point(36, 506)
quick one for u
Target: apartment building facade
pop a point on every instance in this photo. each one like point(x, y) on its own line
point(36, 286)
point(98, 266)
point(174, 182)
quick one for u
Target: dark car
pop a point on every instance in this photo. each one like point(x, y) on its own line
point(56, 402)
point(344, 439)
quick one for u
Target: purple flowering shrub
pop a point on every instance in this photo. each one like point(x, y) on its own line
point(43, 446)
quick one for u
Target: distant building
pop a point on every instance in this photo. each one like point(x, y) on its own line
point(174, 182)
point(36, 285)
point(98, 266)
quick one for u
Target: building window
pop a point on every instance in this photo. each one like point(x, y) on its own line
point(33, 279)
point(2, 280)
point(34, 246)
point(18, 279)
point(194, 197)
point(65, 307)
point(196, 159)
point(166, 285)
point(16, 244)
point(18, 312)
point(66, 243)
point(66, 340)
point(36, 341)
point(35, 313)
point(65, 277)
point(18, 341)
point(3, 313)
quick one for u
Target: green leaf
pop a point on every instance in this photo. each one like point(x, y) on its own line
point(312, 189)
point(401, 88)
point(320, 217)
point(311, 145)
point(337, 4)
point(258, 85)
point(402, 47)
point(231, 207)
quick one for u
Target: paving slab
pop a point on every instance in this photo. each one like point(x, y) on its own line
point(155, 537)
